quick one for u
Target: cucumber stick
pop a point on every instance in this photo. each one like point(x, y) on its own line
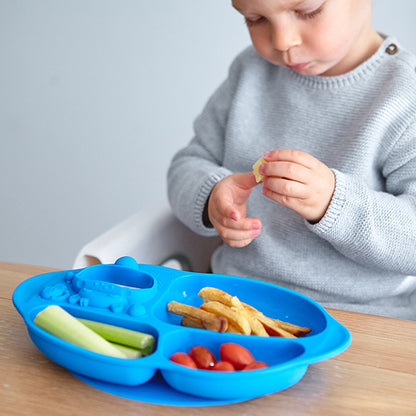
point(134, 339)
point(127, 351)
point(58, 322)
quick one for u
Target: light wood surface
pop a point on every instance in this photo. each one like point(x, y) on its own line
point(376, 375)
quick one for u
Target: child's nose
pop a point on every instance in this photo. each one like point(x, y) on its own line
point(285, 36)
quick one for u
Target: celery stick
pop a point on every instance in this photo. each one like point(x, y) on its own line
point(139, 340)
point(148, 349)
point(63, 325)
point(127, 351)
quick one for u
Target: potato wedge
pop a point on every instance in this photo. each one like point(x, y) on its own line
point(298, 331)
point(232, 329)
point(209, 320)
point(292, 329)
point(280, 327)
point(233, 317)
point(256, 326)
point(259, 323)
point(192, 322)
point(213, 294)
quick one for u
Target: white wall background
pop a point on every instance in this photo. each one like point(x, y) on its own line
point(95, 98)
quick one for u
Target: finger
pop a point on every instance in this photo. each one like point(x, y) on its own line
point(246, 180)
point(289, 170)
point(243, 224)
point(239, 238)
point(287, 201)
point(238, 243)
point(291, 155)
point(230, 213)
point(285, 187)
point(298, 205)
point(231, 234)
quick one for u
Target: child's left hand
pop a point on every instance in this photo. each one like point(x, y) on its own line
point(299, 181)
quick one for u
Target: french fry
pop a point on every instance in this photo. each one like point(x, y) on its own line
point(209, 294)
point(272, 328)
point(192, 322)
point(197, 323)
point(256, 326)
point(213, 294)
point(209, 320)
point(232, 329)
point(242, 317)
point(279, 328)
point(233, 317)
point(297, 331)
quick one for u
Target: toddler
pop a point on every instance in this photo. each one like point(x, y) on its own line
point(331, 104)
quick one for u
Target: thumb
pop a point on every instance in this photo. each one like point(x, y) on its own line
point(243, 184)
point(246, 181)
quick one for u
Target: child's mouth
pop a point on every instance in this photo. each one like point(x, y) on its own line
point(298, 67)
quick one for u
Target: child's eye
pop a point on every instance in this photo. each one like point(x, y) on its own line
point(310, 15)
point(250, 22)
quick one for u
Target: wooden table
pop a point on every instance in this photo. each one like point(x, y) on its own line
point(376, 375)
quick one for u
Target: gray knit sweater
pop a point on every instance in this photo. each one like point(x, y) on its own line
point(362, 255)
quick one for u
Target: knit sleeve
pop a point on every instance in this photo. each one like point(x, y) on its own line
point(196, 169)
point(377, 228)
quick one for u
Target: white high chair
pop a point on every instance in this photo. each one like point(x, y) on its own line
point(151, 236)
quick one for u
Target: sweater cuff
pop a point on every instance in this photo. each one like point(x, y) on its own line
point(201, 200)
point(335, 207)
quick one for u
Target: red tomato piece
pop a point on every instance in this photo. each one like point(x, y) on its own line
point(183, 359)
point(236, 354)
point(223, 366)
point(255, 365)
point(202, 356)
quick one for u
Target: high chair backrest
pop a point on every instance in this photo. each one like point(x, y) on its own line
point(151, 236)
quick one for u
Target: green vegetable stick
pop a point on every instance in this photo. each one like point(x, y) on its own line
point(139, 340)
point(127, 351)
point(147, 350)
point(63, 325)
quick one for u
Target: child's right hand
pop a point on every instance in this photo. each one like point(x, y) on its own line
point(227, 210)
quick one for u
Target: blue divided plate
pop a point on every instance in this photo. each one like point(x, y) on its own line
point(135, 296)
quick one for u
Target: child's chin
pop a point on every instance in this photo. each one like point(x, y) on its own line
point(319, 72)
point(311, 69)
